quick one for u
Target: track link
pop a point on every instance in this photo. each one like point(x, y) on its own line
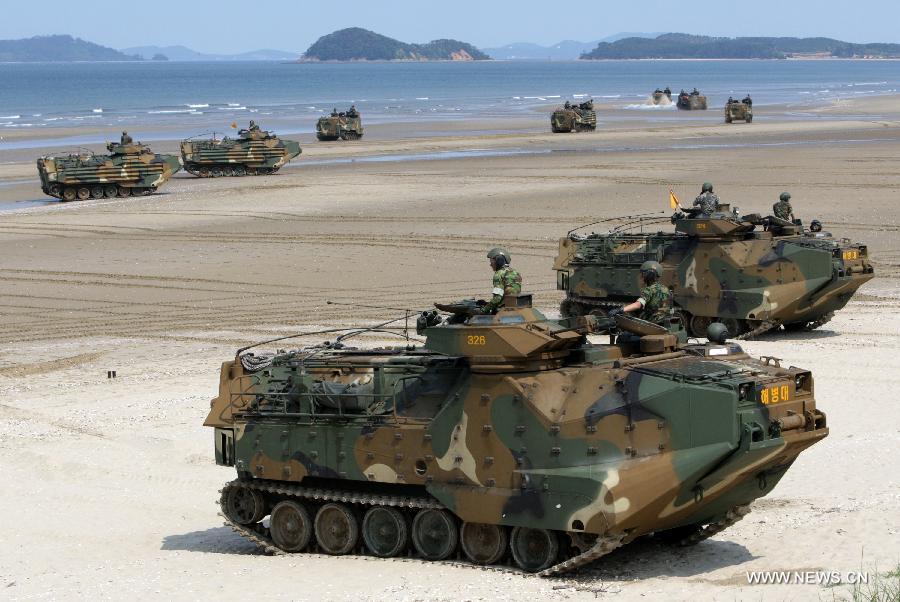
point(765, 326)
point(819, 322)
point(731, 517)
point(602, 547)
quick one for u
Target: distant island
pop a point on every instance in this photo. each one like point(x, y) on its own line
point(567, 50)
point(58, 48)
point(357, 44)
point(686, 46)
point(183, 53)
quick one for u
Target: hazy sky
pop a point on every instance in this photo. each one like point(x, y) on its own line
point(226, 26)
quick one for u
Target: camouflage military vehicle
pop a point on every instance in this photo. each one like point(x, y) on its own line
point(344, 125)
point(509, 436)
point(752, 273)
point(129, 169)
point(738, 111)
point(574, 118)
point(253, 152)
point(691, 102)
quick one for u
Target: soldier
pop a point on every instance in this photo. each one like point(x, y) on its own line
point(125, 139)
point(668, 92)
point(730, 100)
point(352, 112)
point(655, 302)
point(253, 126)
point(782, 209)
point(657, 91)
point(748, 101)
point(706, 201)
point(507, 281)
point(695, 92)
point(567, 106)
point(334, 112)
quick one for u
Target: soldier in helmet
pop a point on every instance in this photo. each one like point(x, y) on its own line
point(567, 106)
point(351, 112)
point(253, 126)
point(655, 302)
point(125, 139)
point(507, 281)
point(707, 202)
point(748, 101)
point(782, 209)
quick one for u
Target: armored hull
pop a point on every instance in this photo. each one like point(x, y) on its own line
point(129, 169)
point(510, 436)
point(738, 111)
point(691, 102)
point(253, 153)
point(339, 126)
point(581, 118)
point(732, 270)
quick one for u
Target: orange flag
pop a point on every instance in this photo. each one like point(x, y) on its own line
point(233, 125)
point(673, 200)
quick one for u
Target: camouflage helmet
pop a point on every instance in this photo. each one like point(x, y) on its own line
point(651, 267)
point(707, 187)
point(785, 196)
point(815, 226)
point(501, 253)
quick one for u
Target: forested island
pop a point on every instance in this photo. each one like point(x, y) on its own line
point(58, 48)
point(686, 46)
point(357, 44)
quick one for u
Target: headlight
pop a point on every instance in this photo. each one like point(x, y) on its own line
point(744, 391)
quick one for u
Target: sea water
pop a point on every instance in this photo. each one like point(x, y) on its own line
point(187, 98)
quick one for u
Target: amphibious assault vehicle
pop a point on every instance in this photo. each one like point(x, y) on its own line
point(344, 125)
point(129, 169)
point(253, 152)
point(662, 97)
point(574, 118)
point(510, 436)
point(753, 273)
point(691, 102)
point(737, 110)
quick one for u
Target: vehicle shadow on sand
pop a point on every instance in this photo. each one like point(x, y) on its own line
point(216, 540)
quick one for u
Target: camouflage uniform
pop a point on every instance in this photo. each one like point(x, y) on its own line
point(125, 139)
point(656, 301)
point(708, 203)
point(783, 210)
point(507, 281)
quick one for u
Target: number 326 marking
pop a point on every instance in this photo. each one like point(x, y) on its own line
point(476, 340)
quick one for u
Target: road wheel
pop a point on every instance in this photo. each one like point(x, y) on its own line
point(483, 544)
point(735, 327)
point(109, 191)
point(290, 526)
point(337, 529)
point(243, 505)
point(384, 531)
point(84, 193)
point(69, 194)
point(96, 192)
point(240, 170)
point(434, 534)
point(533, 549)
point(123, 191)
point(698, 325)
point(216, 172)
point(54, 190)
point(204, 172)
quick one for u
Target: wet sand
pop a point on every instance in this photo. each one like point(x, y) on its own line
point(110, 484)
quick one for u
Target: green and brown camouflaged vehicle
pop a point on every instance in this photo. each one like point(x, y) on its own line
point(253, 152)
point(129, 169)
point(691, 102)
point(510, 436)
point(344, 125)
point(754, 274)
point(574, 118)
point(738, 111)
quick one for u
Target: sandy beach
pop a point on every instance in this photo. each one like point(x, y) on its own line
point(109, 485)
